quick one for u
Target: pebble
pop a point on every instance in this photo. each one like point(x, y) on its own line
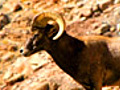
point(8, 56)
point(112, 29)
point(95, 8)
point(104, 3)
point(13, 48)
point(16, 7)
point(86, 12)
point(83, 18)
point(102, 29)
point(43, 86)
point(4, 20)
point(7, 75)
point(14, 79)
point(2, 34)
point(96, 14)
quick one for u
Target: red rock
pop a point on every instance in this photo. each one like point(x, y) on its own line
point(16, 7)
point(104, 3)
point(3, 20)
point(86, 12)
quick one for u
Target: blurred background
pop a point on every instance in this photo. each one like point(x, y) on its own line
point(39, 71)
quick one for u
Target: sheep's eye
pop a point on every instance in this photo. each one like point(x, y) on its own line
point(35, 36)
point(40, 35)
point(36, 29)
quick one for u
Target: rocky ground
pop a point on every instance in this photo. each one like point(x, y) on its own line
point(39, 71)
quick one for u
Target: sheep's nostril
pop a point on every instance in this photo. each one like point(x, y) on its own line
point(21, 50)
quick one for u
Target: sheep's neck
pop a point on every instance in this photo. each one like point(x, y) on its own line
point(65, 53)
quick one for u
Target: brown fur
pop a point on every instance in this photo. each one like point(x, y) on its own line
point(93, 61)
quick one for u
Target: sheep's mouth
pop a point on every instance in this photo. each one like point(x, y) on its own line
point(27, 52)
point(30, 47)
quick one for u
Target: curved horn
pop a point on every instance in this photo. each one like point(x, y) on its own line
point(42, 19)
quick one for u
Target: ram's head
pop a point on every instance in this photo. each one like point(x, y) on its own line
point(47, 27)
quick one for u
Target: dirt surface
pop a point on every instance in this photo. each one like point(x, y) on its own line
point(39, 71)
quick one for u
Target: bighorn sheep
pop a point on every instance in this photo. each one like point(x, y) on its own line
point(93, 61)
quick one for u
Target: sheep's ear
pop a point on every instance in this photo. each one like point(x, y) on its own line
point(52, 29)
point(52, 32)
